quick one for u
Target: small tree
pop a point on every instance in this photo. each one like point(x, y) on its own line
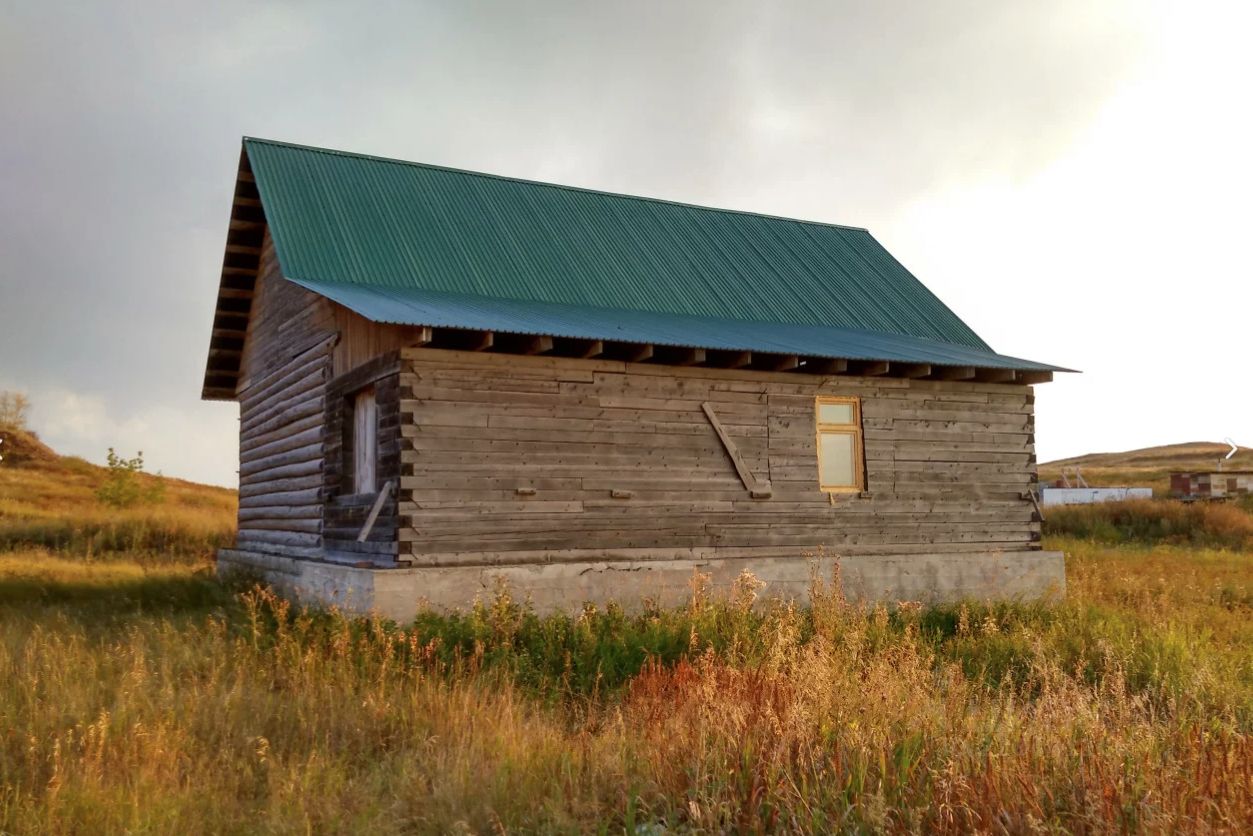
point(13, 408)
point(122, 487)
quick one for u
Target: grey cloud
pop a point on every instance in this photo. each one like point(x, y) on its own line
point(123, 123)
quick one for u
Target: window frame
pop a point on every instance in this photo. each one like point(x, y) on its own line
point(854, 429)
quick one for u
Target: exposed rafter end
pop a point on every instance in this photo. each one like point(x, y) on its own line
point(724, 359)
point(996, 376)
point(1032, 378)
point(629, 352)
point(873, 368)
point(522, 344)
point(462, 339)
point(422, 335)
point(823, 365)
point(670, 355)
point(954, 373)
point(574, 347)
point(911, 370)
point(775, 362)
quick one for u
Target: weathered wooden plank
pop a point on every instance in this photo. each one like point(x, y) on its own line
point(280, 441)
point(305, 496)
point(297, 467)
point(309, 453)
point(280, 485)
point(746, 476)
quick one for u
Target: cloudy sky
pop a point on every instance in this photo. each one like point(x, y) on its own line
point(1073, 178)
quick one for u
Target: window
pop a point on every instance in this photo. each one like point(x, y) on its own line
point(361, 442)
point(840, 468)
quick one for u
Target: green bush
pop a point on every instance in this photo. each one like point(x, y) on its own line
point(122, 487)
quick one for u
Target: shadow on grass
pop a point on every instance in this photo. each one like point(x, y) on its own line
point(197, 591)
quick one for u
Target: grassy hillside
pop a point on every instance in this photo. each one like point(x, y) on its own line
point(1147, 467)
point(50, 501)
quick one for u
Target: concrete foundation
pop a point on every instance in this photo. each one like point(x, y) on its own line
point(565, 587)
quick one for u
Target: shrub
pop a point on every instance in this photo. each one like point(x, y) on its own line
point(122, 487)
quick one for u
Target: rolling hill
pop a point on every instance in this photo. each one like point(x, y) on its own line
point(50, 501)
point(1149, 466)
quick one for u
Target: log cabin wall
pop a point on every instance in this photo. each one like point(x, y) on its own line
point(511, 460)
point(285, 365)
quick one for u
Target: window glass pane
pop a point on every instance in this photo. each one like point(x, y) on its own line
point(835, 413)
point(836, 460)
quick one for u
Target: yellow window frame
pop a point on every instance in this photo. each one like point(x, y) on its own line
point(854, 429)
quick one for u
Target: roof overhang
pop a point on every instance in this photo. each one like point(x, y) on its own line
point(407, 306)
point(240, 261)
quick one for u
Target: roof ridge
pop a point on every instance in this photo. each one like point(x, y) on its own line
point(471, 172)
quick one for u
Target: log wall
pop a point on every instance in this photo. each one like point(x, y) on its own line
point(509, 459)
point(286, 364)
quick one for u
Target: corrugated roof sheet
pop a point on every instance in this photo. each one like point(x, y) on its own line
point(408, 306)
point(420, 244)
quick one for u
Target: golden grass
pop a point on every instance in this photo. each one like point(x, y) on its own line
point(148, 698)
point(1150, 521)
point(50, 502)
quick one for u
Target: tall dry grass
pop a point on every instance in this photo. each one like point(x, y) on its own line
point(1154, 521)
point(190, 708)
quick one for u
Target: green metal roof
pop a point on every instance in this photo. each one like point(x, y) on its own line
point(420, 244)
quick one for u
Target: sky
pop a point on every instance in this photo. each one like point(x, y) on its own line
point(1072, 177)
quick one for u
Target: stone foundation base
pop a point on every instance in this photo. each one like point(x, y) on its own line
point(401, 593)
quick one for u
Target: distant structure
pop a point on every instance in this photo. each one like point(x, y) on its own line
point(1064, 492)
point(447, 377)
point(1214, 484)
point(1090, 495)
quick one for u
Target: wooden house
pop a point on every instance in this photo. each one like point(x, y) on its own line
point(447, 377)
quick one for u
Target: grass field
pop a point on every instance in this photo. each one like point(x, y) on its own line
point(137, 694)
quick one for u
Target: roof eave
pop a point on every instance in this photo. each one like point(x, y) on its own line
point(906, 355)
point(240, 260)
